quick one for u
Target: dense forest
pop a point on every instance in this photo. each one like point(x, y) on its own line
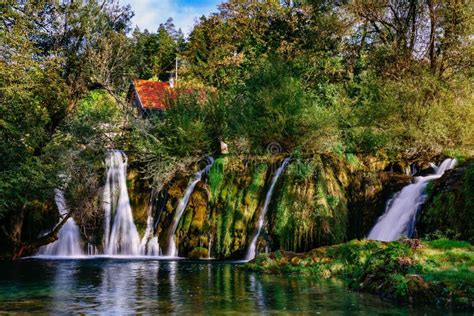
point(385, 79)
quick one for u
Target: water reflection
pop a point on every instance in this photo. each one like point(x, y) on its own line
point(111, 286)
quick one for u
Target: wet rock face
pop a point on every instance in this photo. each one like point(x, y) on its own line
point(309, 207)
point(317, 201)
point(449, 209)
point(368, 195)
point(139, 195)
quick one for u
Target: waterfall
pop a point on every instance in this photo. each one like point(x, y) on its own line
point(251, 251)
point(172, 251)
point(149, 244)
point(153, 248)
point(400, 212)
point(92, 250)
point(69, 237)
point(121, 235)
point(209, 248)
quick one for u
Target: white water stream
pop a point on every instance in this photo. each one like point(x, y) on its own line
point(121, 235)
point(172, 250)
point(69, 237)
point(149, 245)
point(400, 214)
point(251, 251)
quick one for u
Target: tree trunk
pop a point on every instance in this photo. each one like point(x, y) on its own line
point(432, 54)
point(29, 247)
point(16, 227)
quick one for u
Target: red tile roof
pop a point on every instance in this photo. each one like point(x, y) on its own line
point(153, 94)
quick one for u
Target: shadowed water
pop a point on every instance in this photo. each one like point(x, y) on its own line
point(127, 286)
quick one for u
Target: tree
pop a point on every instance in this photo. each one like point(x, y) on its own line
point(155, 53)
point(48, 62)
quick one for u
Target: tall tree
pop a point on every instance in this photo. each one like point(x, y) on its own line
point(48, 61)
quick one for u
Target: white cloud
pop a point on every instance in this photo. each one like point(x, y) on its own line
point(150, 13)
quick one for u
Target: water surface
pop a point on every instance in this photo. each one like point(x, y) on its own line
point(126, 286)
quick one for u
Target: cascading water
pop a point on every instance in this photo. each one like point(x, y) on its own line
point(172, 251)
point(400, 214)
point(69, 237)
point(149, 245)
point(92, 250)
point(121, 235)
point(251, 251)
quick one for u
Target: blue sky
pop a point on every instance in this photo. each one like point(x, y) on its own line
point(150, 13)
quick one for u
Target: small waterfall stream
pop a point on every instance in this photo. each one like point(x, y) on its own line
point(172, 251)
point(149, 245)
point(69, 237)
point(121, 235)
point(251, 251)
point(400, 214)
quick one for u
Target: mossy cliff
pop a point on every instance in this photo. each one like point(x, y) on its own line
point(220, 211)
point(435, 273)
point(312, 204)
point(449, 209)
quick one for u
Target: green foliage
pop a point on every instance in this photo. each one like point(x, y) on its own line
point(273, 100)
point(155, 53)
point(182, 131)
point(308, 77)
point(46, 68)
point(95, 115)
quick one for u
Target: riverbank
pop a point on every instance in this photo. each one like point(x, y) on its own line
point(436, 273)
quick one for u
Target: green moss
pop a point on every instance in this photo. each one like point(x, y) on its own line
point(216, 176)
point(199, 253)
point(432, 272)
point(399, 285)
point(186, 223)
point(310, 208)
point(235, 198)
point(450, 205)
point(354, 162)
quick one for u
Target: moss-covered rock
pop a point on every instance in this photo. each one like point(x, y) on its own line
point(436, 273)
point(368, 194)
point(199, 253)
point(314, 200)
point(139, 194)
point(310, 205)
point(449, 209)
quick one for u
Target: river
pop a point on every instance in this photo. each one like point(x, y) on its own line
point(130, 286)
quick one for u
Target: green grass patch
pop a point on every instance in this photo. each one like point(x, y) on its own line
point(448, 244)
point(427, 272)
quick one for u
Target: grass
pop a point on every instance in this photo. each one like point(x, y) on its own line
point(445, 244)
point(437, 272)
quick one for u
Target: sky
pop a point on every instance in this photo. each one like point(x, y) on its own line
point(150, 13)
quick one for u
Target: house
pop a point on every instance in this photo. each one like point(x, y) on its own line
point(150, 96)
